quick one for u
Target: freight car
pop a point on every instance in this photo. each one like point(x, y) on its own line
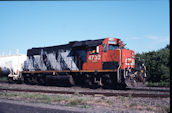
point(104, 62)
point(12, 66)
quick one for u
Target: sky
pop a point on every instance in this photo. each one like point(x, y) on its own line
point(143, 25)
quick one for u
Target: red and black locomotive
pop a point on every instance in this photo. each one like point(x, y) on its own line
point(103, 62)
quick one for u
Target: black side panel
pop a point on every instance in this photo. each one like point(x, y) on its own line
point(110, 65)
point(50, 49)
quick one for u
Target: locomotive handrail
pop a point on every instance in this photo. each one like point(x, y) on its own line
point(119, 66)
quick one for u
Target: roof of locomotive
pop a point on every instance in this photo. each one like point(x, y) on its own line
point(72, 44)
point(88, 43)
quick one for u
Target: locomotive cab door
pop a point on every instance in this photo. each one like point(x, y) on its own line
point(109, 59)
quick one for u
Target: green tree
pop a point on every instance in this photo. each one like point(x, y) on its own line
point(157, 64)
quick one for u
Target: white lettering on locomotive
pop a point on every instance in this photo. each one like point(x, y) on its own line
point(94, 58)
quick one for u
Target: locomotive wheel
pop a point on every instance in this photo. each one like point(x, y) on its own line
point(29, 80)
point(20, 80)
point(41, 81)
point(10, 80)
point(95, 86)
point(26, 80)
point(71, 81)
point(33, 81)
point(88, 83)
point(107, 83)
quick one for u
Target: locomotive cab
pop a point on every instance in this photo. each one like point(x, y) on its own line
point(105, 56)
point(112, 55)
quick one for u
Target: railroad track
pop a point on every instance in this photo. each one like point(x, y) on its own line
point(140, 89)
point(159, 89)
point(150, 95)
point(151, 89)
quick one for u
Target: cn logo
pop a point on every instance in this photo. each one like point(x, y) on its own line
point(129, 61)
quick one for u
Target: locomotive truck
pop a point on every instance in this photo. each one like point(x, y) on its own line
point(103, 62)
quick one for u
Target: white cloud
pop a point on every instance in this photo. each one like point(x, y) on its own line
point(153, 37)
point(149, 42)
point(135, 38)
point(158, 39)
point(157, 42)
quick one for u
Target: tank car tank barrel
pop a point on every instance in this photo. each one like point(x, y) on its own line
point(4, 71)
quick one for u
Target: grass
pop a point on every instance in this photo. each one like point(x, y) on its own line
point(122, 98)
point(158, 84)
point(59, 98)
point(7, 95)
point(41, 97)
point(103, 98)
point(77, 93)
point(167, 109)
point(133, 104)
point(98, 100)
point(49, 99)
point(5, 79)
point(130, 97)
point(149, 109)
point(109, 101)
point(84, 106)
point(74, 102)
point(80, 101)
point(35, 97)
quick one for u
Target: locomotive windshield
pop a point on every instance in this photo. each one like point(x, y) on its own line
point(113, 47)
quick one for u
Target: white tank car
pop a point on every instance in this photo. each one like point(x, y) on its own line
point(12, 65)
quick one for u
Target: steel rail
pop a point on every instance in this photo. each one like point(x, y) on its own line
point(150, 89)
point(157, 89)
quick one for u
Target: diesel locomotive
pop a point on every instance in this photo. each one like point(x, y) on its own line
point(103, 62)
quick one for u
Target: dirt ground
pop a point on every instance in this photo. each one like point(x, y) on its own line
point(96, 103)
point(88, 103)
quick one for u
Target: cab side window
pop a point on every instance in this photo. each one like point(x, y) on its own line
point(93, 50)
point(111, 47)
point(104, 47)
point(116, 47)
